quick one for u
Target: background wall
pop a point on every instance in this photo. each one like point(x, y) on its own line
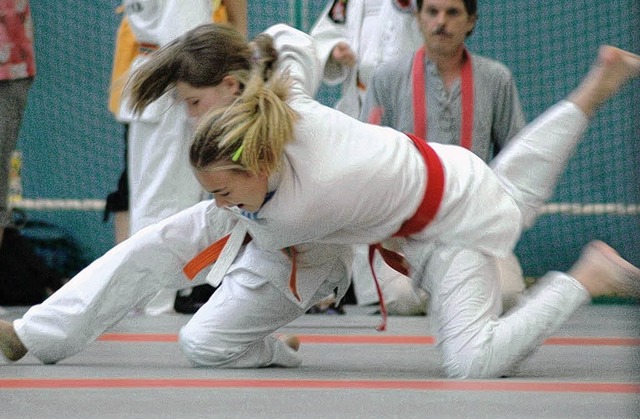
point(73, 148)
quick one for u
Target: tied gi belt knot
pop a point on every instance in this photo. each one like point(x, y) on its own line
point(223, 251)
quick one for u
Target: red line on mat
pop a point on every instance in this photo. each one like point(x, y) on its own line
point(380, 339)
point(433, 385)
point(592, 341)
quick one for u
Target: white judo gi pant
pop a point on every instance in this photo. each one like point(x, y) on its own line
point(234, 329)
point(403, 297)
point(465, 285)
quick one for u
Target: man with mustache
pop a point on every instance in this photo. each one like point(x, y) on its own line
point(442, 93)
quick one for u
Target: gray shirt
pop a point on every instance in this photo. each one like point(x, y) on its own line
point(497, 115)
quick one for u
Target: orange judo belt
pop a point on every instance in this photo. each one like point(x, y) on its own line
point(210, 254)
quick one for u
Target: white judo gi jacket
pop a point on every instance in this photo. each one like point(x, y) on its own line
point(347, 182)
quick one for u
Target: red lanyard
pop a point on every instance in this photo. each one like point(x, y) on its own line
point(420, 99)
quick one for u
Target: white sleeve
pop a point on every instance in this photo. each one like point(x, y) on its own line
point(298, 54)
point(327, 34)
point(160, 21)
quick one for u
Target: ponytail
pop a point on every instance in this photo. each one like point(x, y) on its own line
point(254, 130)
point(154, 78)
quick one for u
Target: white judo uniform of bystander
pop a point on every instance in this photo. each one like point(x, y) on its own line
point(160, 179)
point(377, 32)
point(161, 182)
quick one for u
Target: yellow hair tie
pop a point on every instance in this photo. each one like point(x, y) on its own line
point(237, 154)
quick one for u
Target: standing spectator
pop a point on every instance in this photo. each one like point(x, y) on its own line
point(158, 181)
point(17, 71)
point(470, 100)
point(24, 277)
point(355, 37)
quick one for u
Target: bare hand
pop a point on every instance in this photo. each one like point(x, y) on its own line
point(343, 54)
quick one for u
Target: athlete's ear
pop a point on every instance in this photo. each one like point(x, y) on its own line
point(472, 23)
point(231, 84)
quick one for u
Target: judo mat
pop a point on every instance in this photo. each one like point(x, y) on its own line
point(590, 368)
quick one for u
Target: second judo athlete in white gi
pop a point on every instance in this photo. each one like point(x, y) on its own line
point(161, 182)
point(323, 190)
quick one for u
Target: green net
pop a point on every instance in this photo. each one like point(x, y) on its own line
point(73, 150)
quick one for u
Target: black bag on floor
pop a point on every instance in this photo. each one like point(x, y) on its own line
point(55, 247)
point(24, 277)
point(190, 300)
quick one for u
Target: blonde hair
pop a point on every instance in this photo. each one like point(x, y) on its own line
point(254, 130)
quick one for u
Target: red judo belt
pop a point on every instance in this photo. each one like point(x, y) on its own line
point(426, 212)
point(433, 191)
point(420, 101)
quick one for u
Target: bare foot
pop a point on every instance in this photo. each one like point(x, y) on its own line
point(613, 68)
point(326, 302)
point(291, 341)
point(10, 344)
point(603, 271)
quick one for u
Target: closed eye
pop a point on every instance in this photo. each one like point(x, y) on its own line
point(218, 192)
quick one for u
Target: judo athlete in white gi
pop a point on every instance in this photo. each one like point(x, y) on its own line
point(299, 176)
point(161, 181)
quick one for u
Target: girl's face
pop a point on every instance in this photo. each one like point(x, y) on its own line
point(234, 188)
point(200, 100)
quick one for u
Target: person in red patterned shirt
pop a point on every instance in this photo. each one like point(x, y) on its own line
point(17, 70)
